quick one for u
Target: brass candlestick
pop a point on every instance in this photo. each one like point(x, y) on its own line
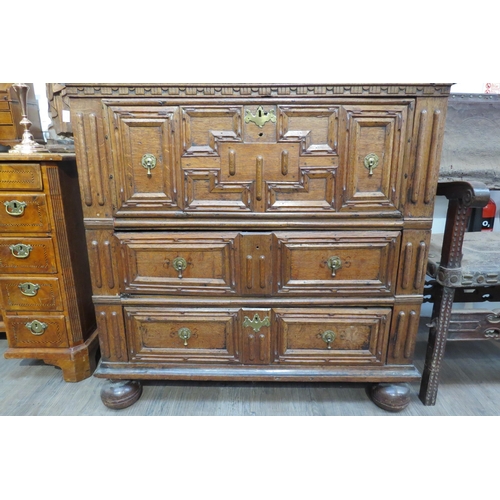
point(28, 144)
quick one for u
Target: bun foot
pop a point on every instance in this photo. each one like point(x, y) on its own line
point(391, 397)
point(119, 394)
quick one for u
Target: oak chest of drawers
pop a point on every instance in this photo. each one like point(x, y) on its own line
point(45, 290)
point(258, 232)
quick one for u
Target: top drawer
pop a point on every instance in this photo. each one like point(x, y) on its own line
point(270, 158)
point(20, 176)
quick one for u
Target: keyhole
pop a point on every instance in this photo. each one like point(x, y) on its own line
point(260, 113)
point(261, 134)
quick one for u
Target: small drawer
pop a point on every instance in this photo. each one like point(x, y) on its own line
point(36, 330)
point(5, 116)
point(20, 212)
point(182, 335)
point(343, 262)
point(30, 294)
point(20, 176)
point(4, 104)
point(332, 336)
point(179, 263)
point(27, 256)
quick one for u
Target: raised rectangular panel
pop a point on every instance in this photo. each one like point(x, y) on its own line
point(377, 131)
point(136, 131)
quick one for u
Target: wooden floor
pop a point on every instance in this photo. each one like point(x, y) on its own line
point(470, 385)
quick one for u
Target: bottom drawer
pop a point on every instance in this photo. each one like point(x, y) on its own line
point(332, 336)
point(36, 330)
point(182, 335)
point(263, 336)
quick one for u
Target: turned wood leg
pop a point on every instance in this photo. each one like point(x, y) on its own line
point(391, 397)
point(436, 344)
point(118, 394)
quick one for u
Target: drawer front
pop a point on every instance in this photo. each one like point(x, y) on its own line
point(21, 212)
point(36, 330)
point(178, 263)
point(27, 256)
point(332, 336)
point(346, 263)
point(20, 176)
point(182, 335)
point(270, 158)
point(24, 293)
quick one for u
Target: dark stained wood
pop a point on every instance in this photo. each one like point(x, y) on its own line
point(120, 394)
point(286, 230)
point(391, 397)
point(445, 264)
point(52, 262)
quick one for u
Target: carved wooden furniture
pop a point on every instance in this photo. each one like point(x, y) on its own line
point(258, 232)
point(464, 267)
point(45, 291)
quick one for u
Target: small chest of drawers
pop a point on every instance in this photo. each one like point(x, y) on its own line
point(258, 232)
point(45, 291)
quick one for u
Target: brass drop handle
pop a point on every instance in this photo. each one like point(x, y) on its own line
point(179, 264)
point(14, 207)
point(184, 334)
point(36, 327)
point(492, 334)
point(149, 162)
point(334, 263)
point(371, 161)
point(29, 289)
point(328, 336)
point(20, 250)
point(495, 317)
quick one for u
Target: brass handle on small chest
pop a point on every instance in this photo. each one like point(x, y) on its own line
point(36, 327)
point(334, 263)
point(14, 207)
point(328, 336)
point(371, 161)
point(179, 264)
point(184, 334)
point(29, 289)
point(149, 162)
point(20, 250)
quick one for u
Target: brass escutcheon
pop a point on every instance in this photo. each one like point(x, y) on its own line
point(371, 161)
point(184, 334)
point(14, 207)
point(149, 162)
point(328, 336)
point(256, 323)
point(36, 327)
point(261, 117)
point(179, 264)
point(20, 250)
point(334, 263)
point(29, 289)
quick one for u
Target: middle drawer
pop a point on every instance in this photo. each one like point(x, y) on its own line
point(22, 293)
point(347, 263)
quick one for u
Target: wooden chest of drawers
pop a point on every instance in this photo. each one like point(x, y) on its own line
point(258, 232)
point(45, 290)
